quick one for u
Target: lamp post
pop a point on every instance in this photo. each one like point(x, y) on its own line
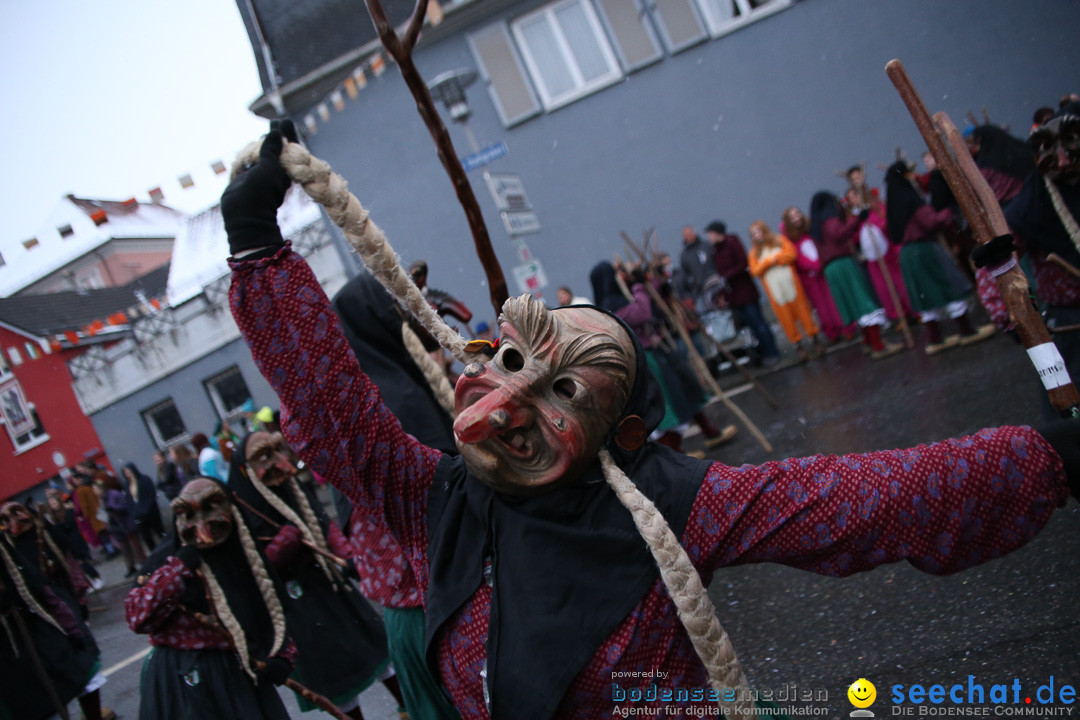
point(449, 87)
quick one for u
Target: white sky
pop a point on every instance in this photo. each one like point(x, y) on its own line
point(109, 98)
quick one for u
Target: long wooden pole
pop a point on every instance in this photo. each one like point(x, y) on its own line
point(983, 212)
point(695, 358)
point(401, 50)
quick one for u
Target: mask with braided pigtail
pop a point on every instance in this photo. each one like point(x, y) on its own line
point(565, 404)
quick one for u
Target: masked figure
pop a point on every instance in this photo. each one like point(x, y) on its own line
point(215, 616)
point(340, 638)
point(534, 544)
point(47, 549)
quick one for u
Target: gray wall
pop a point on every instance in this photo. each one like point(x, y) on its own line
point(736, 128)
point(124, 434)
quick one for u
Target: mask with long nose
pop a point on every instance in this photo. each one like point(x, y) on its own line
point(269, 458)
point(1057, 148)
point(15, 518)
point(539, 411)
point(203, 514)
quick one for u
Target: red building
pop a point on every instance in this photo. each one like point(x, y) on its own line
point(45, 429)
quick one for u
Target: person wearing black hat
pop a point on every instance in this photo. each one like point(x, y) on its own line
point(559, 550)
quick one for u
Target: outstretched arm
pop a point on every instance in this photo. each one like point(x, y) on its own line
point(942, 507)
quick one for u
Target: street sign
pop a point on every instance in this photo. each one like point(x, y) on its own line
point(483, 157)
point(521, 222)
point(530, 277)
point(508, 191)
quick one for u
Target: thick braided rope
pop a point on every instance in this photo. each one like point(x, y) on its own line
point(228, 620)
point(24, 591)
point(1063, 213)
point(263, 580)
point(61, 559)
point(316, 529)
point(684, 585)
point(290, 515)
point(436, 378)
point(332, 192)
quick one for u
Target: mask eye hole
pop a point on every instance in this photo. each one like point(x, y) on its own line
point(565, 388)
point(512, 360)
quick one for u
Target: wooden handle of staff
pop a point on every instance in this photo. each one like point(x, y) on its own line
point(983, 212)
point(320, 701)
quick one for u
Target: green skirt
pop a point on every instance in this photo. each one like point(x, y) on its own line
point(931, 277)
point(850, 289)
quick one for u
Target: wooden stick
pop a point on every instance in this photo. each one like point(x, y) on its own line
point(401, 50)
point(314, 548)
point(986, 220)
point(1064, 264)
point(320, 701)
point(696, 361)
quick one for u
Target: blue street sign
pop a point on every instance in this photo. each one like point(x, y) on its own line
point(483, 157)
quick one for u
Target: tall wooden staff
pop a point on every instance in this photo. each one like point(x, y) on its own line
point(695, 358)
point(400, 48)
point(983, 212)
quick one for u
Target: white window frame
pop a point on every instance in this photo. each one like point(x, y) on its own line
point(160, 441)
point(6, 372)
point(582, 87)
point(721, 26)
point(226, 413)
point(38, 435)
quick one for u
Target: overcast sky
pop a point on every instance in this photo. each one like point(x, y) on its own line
point(109, 98)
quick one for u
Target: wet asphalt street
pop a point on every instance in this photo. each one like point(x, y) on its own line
point(1015, 617)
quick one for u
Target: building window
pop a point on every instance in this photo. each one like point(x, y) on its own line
point(723, 16)
point(31, 350)
point(228, 392)
point(65, 231)
point(165, 424)
point(31, 243)
point(20, 418)
point(15, 356)
point(504, 73)
point(565, 51)
point(5, 368)
point(2, 261)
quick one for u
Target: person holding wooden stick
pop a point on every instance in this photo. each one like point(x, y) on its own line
point(937, 288)
point(560, 552)
point(215, 614)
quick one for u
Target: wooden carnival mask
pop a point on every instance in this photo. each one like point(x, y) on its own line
point(539, 411)
point(1057, 148)
point(269, 458)
point(203, 514)
point(15, 518)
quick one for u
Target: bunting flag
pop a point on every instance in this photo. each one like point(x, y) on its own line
point(156, 195)
point(324, 112)
point(186, 181)
point(434, 12)
point(310, 124)
point(218, 167)
point(360, 77)
point(350, 88)
point(337, 100)
point(378, 65)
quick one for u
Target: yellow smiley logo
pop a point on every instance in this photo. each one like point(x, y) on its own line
point(862, 693)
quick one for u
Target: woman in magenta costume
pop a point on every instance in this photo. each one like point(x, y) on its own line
point(796, 227)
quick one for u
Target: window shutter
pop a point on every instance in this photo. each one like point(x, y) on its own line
point(679, 23)
point(635, 40)
point(500, 67)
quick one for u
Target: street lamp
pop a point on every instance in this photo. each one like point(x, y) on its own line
point(449, 87)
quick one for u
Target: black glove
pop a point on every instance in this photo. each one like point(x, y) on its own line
point(249, 205)
point(275, 670)
point(189, 555)
point(193, 596)
point(1064, 437)
point(78, 642)
point(350, 570)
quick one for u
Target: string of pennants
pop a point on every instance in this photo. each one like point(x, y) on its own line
point(143, 308)
point(373, 66)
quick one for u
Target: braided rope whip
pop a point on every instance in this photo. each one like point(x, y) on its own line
point(1062, 210)
point(330, 190)
point(682, 580)
point(436, 378)
point(683, 583)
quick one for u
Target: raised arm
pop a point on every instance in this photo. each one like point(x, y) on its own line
point(942, 507)
point(332, 414)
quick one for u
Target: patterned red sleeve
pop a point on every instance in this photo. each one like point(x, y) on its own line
point(331, 413)
point(942, 507)
point(149, 607)
point(288, 652)
point(338, 543)
point(281, 551)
